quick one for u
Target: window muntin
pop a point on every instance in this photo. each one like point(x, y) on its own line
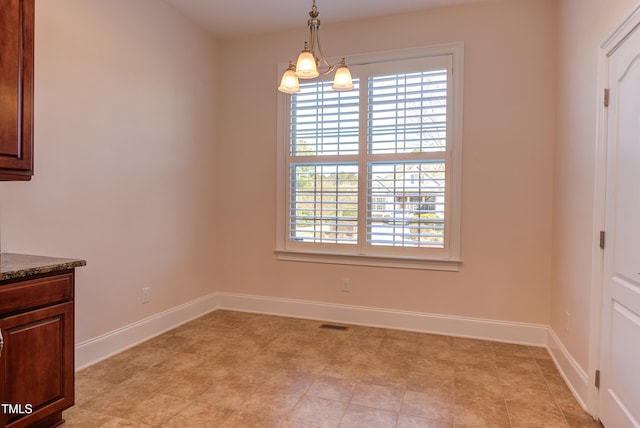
point(406, 106)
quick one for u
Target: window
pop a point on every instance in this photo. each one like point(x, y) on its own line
point(372, 176)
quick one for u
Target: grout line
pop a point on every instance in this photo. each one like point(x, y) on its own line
point(553, 396)
point(237, 328)
point(504, 396)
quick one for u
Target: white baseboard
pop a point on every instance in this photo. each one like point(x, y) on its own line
point(500, 331)
point(575, 377)
point(521, 333)
point(106, 345)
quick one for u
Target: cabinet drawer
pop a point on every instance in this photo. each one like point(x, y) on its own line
point(34, 293)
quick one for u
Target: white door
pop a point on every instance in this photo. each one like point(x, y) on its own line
point(619, 402)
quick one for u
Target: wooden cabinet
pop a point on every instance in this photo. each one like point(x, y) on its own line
point(16, 89)
point(37, 360)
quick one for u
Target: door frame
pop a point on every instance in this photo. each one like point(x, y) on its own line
point(615, 39)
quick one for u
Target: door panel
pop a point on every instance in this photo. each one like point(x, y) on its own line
point(619, 405)
point(624, 384)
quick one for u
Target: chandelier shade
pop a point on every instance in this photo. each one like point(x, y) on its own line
point(342, 80)
point(289, 83)
point(308, 65)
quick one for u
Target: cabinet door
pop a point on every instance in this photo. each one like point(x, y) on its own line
point(37, 373)
point(16, 89)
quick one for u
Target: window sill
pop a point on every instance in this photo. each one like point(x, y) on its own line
point(375, 261)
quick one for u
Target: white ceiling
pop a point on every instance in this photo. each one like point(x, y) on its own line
point(229, 18)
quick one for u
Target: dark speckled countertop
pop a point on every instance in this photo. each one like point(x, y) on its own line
point(22, 265)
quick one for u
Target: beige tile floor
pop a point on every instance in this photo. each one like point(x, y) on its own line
point(231, 369)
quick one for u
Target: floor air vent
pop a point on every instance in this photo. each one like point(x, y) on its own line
point(334, 327)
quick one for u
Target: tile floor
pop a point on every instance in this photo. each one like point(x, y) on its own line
point(231, 369)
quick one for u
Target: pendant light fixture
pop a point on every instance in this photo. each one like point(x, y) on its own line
point(308, 64)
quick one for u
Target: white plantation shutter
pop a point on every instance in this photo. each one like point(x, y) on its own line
point(325, 128)
point(413, 212)
point(407, 114)
point(372, 172)
point(324, 121)
point(324, 203)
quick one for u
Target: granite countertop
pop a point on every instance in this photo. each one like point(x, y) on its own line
point(22, 265)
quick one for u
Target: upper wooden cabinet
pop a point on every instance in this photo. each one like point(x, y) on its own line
point(16, 89)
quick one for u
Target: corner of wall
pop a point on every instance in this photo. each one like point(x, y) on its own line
point(574, 376)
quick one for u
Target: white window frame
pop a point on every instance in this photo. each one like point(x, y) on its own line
point(447, 258)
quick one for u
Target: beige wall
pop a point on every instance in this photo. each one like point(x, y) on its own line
point(509, 111)
point(125, 141)
point(583, 26)
point(133, 175)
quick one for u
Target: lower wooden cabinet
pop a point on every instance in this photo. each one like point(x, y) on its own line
point(37, 360)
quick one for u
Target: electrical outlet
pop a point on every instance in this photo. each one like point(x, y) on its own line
point(146, 294)
point(346, 285)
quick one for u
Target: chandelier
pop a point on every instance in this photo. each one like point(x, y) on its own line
point(308, 64)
